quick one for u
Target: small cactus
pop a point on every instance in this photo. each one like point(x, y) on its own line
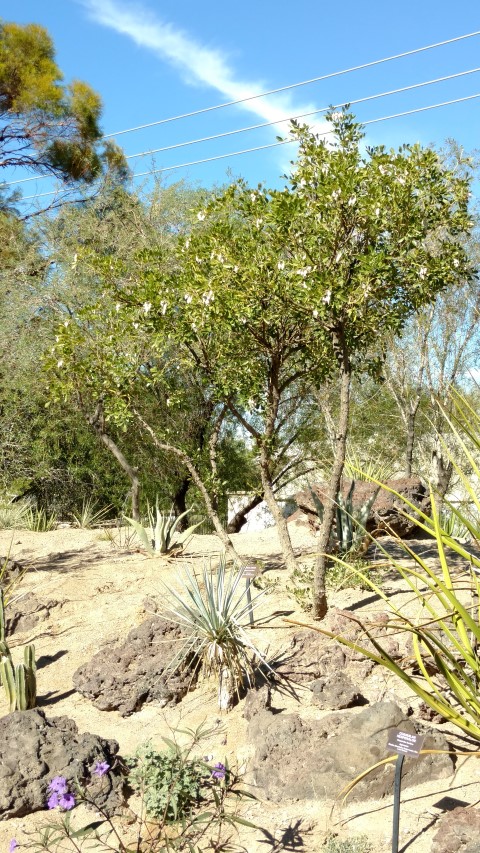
point(20, 683)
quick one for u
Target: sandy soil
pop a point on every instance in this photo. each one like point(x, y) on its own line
point(100, 592)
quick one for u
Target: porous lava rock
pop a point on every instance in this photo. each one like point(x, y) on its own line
point(386, 512)
point(124, 676)
point(27, 612)
point(458, 832)
point(335, 673)
point(309, 759)
point(34, 749)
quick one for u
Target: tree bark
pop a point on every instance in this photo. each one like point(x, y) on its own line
point(320, 605)
point(280, 521)
point(97, 421)
point(196, 478)
point(180, 502)
point(443, 470)
point(240, 517)
point(411, 416)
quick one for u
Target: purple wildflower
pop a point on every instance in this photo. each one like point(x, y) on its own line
point(66, 801)
point(13, 845)
point(58, 785)
point(52, 802)
point(219, 771)
point(101, 768)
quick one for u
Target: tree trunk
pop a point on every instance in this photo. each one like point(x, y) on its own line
point(180, 502)
point(443, 470)
point(410, 441)
point(240, 517)
point(97, 421)
point(280, 521)
point(196, 478)
point(320, 605)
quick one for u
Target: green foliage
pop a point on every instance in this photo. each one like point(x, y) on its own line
point(351, 521)
point(48, 127)
point(214, 610)
point(186, 806)
point(13, 515)
point(39, 520)
point(90, 515)
point(169, 782)
point(356, 844)
point(339, 576)
point(163, 527)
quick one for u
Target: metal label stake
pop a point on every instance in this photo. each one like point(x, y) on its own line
point(403, 743)
point(249, 572)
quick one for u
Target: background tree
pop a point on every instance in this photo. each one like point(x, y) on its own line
point(46, 126)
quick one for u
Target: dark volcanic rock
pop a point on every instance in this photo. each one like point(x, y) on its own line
point(34, 749)
point(26, 612)
point(124, 677)
point(314, 759)
point(337, 692)
point(458, 832)
point(386, 512)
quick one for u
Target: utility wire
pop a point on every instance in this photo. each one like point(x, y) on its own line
point(276, 121)
point(295, 85)
point(275, 144)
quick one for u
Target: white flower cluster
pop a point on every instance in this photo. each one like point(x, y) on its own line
point(327, 297)
point(208, 297)
point(147, 306)
point(304, 271)
point(422, 273)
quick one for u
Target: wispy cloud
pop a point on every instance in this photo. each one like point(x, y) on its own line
point(198, 64)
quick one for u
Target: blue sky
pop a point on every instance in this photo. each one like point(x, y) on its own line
point(151, 60)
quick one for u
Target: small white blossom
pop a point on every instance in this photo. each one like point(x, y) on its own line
point(326, 299)
point(198, 260)
point(338, 256)
point(315, 314)
point(281, 265)
point(66, 323)
point(236, 268)
point(201, 215)
point(163, 306)
point(351, 201)
point(253, 196)
point(57, 338)
point(117, 307)
point(422, 272)
point(135, 325)
point(208, 297)
point(259, 223)
point(325, 168)
point(400, 180)
point(147, 307)
point(60, 363)
point(304, 272)
point(168, 401)
point(187, 242)
point(336, 194)
point(302, 183)
point(377, 211)
point(187, 298)
point(337, 116)
point(456, 262)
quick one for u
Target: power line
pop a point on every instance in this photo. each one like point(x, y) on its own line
point(295, 85)
point(276, 121)
point(276, 144)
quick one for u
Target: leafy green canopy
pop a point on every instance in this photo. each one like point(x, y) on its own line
point(45, 125)
point(273, 288)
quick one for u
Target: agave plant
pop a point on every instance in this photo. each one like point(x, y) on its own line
point(213, 611)
point(350, 520)
point(90, 514)
point(161, 536)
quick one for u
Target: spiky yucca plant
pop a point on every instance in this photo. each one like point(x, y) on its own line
point(213, 610)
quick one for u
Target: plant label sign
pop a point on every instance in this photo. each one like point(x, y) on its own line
point(249, 571)
point(405, 743)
